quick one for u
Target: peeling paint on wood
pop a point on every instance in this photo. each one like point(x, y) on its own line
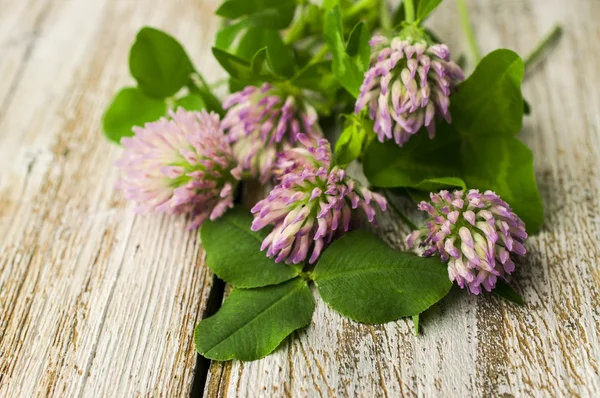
point(94, 301)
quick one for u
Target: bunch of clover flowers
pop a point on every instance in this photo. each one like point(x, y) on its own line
point(312, 204)
point(476, 234)
point(181, 165)
point(262, 122)
point(408, 84)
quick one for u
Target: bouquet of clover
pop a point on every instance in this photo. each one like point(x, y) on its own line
point(299, 73)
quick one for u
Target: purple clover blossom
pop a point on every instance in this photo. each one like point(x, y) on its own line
point(262, 122)
point(182, 165)
point(475, 234)
point(408, 84)
point(312, 205)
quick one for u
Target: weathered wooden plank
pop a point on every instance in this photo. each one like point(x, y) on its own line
point(93, 299)
point(480, 346)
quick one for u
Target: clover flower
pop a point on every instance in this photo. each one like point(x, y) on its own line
point(180, 165)
point(264, 121)
point(475, 234)
point(312, 205)
point(408, 84)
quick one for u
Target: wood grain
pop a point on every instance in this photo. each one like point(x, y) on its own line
point(480, 346)
point(94, 301)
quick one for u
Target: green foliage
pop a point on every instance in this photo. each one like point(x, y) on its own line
point(252, 323)
point(364, 279)
point(316, 76)
point(358, 48)
point(416, 320)
point(505, 291)
point(270, 14)
point(159, 63)
point(478, 149)
point(436, 184)
point(387, 165)
point(349, 64)
point(161, 68)
point(260, 55)
point(505, 165)
point(130, 107)
point(425, 7)
point(489, 102)
point(326, 48)
point(353, 140)
point(237, 67)
point(191, 102)
point(233, 252)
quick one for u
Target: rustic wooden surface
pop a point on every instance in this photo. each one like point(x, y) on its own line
point(95, 301)
point(482, 346)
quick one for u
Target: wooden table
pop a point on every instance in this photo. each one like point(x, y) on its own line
point(95, 301)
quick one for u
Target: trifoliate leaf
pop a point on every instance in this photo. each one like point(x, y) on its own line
point(130, 107)
point(253, 322)
point(233, 252)
point(159, 63)
point(364, 279)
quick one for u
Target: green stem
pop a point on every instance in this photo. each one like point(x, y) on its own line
point(385, 17)
point(468, 29)
point(295, 31)
point(320, 54)
point(399, 212)
point(546, 42)
point(409, 10)
point(357, 8)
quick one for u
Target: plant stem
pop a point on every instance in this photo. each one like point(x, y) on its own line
point(546, 42)
point(384, 16)
point(399, 212)
point(409, 10)
point(357, 8)
point(320, 54)
point(295, 31)
point(468, 29)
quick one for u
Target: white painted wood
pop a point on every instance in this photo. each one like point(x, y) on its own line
point(94, 301)
point(480, 346)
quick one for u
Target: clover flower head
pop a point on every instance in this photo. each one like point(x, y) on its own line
point(475, 233)
point(264, 121)
point(312, 205)
point(407, 85)
point(180, 165)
